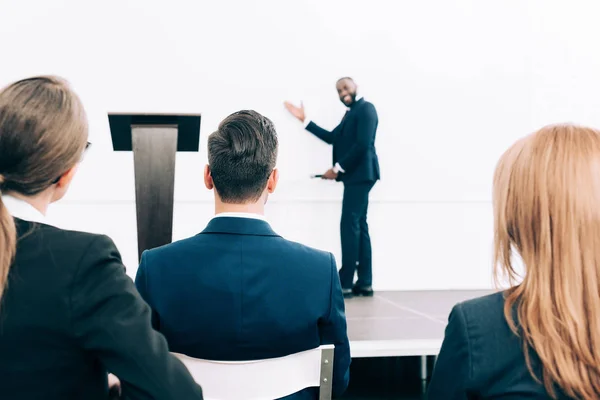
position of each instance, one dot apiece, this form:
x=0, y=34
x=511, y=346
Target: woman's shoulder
x=40, y=231
x=484, y=304
x=488, y=309
x=483, y=317
x=60, y=242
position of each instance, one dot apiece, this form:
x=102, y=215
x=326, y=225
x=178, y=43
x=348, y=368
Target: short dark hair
x=241, y=155
x=344, y=77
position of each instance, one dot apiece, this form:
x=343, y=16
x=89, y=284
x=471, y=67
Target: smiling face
x=346, y=89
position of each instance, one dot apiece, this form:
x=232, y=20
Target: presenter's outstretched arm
x=298, y=112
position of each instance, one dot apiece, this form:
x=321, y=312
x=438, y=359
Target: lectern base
x=154, y=149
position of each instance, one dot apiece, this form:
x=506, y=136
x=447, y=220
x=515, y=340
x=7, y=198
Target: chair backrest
x=264, y=379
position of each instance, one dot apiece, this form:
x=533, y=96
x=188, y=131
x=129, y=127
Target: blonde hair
x=547, y=209
x=43, y=132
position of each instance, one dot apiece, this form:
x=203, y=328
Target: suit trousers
x=354, y=231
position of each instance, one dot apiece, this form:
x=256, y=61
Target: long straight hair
x=43, y=132
x=547, y=209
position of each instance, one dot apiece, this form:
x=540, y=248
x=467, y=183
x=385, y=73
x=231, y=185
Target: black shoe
x=366, y=291
x=348, y=293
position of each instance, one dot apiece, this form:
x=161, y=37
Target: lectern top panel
x=188, y=128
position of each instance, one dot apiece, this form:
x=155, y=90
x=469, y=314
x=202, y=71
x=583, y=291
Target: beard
x=349, y=99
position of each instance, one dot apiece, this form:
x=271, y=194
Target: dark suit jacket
x=238, y=291
x=481, y=358
x=69, y=314
x=353, y=143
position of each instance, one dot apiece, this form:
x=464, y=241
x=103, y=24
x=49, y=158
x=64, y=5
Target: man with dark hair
x=355, y=163
x=241, y=157
x=238, y=291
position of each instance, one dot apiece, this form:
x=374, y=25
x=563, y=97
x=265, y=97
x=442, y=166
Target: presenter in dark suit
x=540, y=339
x=355, y=163
x=238, y=290
x=68, y=311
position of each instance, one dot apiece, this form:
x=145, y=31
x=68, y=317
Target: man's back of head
x=242, y=154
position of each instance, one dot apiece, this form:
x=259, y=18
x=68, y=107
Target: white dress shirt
x=241, y=215
x=337, y=168
x=21, y=209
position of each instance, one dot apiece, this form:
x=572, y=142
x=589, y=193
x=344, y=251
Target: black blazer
x=481, y=358
x=69, y=314
x=353, y=143
x=239, y=291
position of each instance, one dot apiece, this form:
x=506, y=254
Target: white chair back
x=264, y=379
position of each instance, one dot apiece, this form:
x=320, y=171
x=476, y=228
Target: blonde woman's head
x=547, y=209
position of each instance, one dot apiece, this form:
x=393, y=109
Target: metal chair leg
x=423, y=368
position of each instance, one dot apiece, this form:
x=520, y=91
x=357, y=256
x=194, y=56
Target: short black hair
x=344, y=77
x=241, y=155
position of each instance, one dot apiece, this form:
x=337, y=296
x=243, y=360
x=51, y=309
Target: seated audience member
x=539, y=339
x=68, y=311
x=238, y=290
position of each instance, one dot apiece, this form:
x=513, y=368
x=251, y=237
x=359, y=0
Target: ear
x=67, y=177
x=272, y=182
x=208, y=181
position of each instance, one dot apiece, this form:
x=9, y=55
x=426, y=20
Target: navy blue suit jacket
x=481, y=358
x=238, y=291
x=353, y=143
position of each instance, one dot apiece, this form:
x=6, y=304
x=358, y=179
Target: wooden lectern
x=154, y=140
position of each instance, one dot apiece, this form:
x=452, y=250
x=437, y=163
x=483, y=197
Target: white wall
x=454, y=81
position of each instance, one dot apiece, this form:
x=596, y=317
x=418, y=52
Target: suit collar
x=239, y=226
x=359, y=100
x=357, y=103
